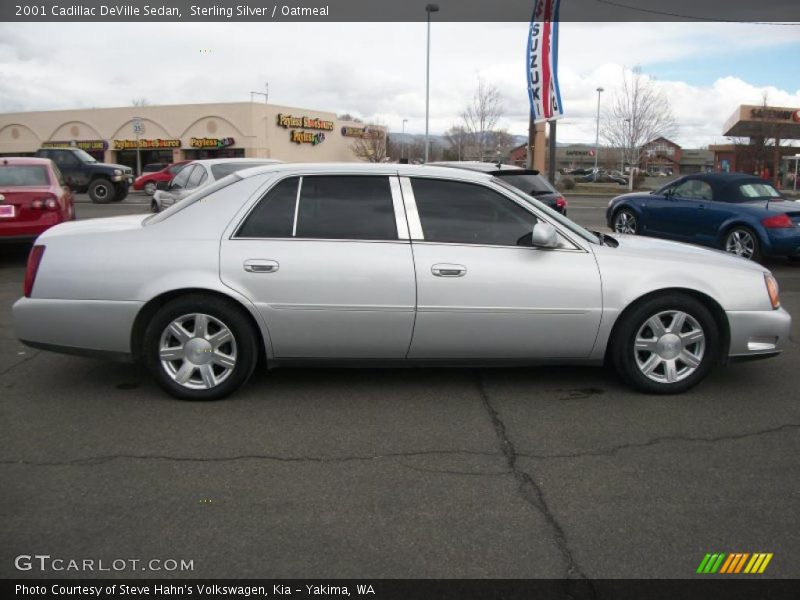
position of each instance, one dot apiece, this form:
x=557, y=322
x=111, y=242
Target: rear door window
x=273, y=216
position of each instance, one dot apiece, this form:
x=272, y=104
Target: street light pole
x=429, y=8
x=597, y=134
x=403, y=147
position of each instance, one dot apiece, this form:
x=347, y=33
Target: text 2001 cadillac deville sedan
x=368, y=264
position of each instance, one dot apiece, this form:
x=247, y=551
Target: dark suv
x=82, y=173
x=527, y=180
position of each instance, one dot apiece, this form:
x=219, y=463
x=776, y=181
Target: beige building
x=186, y=131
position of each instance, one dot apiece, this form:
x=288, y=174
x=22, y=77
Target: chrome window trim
x=399, y=210
x=296, y=206
x=415, y=225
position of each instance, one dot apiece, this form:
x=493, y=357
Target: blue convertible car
x=739, y=213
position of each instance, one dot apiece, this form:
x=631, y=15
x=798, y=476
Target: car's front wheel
x=742, y=241
x=200, y=347
x=666, y=345
x=625, y=222
x=154, y=206
x=101, y=191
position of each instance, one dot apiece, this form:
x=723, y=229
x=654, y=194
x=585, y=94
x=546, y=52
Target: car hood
x=90, y=226
x=688, y=253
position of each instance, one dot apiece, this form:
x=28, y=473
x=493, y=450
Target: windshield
x=84, y=156
x=557, y=217
x=222, y=169
x=191, y=199
x=528, y=183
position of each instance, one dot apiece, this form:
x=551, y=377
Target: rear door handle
x=448, y=270
x=260, y=265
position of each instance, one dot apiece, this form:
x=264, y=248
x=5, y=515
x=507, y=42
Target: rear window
x=758, y=190
x=223, y=169
x=23, y=176
x=528, y=183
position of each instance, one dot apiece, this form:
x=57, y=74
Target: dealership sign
x=146, y=144
x=542, y=59
x=293, y=122
x=211, y=143
x=90, y=145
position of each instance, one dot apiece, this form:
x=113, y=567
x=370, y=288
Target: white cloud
x=376, y=70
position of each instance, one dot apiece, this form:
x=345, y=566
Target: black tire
x=743, y=232
x=120, y=192
x=226, y=312
x=101, y=191
x=154, y=206
x=626, y=358
x=620, y=217
x=794, y=259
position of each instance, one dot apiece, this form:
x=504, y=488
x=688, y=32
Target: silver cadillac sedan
x=367, y=264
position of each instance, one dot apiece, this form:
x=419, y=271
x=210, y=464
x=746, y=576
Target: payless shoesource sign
x=146, y=144
x=298, y=124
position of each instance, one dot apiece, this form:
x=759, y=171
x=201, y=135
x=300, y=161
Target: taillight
x=48, y=202
x=561, y=202
x=777, y=222
x=34, y=258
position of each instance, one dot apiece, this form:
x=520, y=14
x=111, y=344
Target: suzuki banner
x=542, y=57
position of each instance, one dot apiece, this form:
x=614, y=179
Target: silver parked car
x=362, y=263
x=198, y=174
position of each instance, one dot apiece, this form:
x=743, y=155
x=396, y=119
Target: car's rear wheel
x=742, y=241
x=101, y=191
x=666, y=345
x=200, y=347
x=150, y=188
x=120, y=192
x=625, y=222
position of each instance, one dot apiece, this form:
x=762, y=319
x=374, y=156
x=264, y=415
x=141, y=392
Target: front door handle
x=260, y=265
x=448, y=270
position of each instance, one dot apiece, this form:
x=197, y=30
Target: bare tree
x=373, y=145
x=140, y=102
x=457, y=138
x=639, y=113
x=481, y=115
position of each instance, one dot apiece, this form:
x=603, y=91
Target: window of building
x=465, y=213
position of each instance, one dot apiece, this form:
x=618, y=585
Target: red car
x=33, y=197
x=149, y=181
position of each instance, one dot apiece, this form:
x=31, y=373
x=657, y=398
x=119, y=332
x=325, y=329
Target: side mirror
x=544, y=235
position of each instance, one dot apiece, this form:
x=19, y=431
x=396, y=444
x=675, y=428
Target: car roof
x=359, y=168
x=724, y=183
x=24, y=160
x=475, y=165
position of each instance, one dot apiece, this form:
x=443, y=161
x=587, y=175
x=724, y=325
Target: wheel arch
x=154, y=304
x=710, y=303
x=739, y=222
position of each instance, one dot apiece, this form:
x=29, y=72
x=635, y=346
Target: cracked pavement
x=537, y=472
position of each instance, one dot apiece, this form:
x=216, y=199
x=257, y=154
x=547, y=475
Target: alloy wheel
x=625, y=222
x=197, y=351
x=741, y=243
x=669, y=346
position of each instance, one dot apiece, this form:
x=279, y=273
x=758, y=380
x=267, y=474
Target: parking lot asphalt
x=521, y=472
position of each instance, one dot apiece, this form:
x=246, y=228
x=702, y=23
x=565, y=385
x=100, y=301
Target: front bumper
x=759, y=333
x=98, y=327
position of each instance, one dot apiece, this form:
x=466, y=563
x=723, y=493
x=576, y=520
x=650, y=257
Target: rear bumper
x=783, y=242
x=86, y=327
x=756, y=334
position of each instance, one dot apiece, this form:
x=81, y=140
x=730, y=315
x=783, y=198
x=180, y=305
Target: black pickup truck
x=82, y=173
